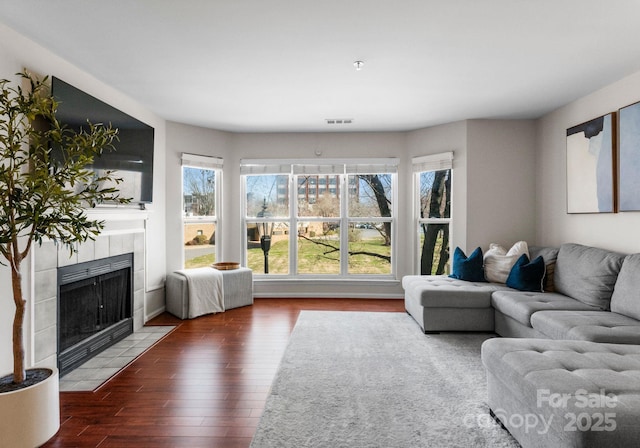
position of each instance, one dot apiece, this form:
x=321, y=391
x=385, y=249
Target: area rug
x=356, y=379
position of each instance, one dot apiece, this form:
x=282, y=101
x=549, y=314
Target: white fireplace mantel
x=110, y=213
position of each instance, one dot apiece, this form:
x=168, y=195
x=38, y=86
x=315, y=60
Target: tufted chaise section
x=441, y=303
x=565, y=393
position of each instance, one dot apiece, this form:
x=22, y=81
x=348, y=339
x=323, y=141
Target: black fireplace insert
x=95, y=308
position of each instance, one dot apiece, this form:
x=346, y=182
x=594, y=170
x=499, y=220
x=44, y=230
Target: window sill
x=261, y=278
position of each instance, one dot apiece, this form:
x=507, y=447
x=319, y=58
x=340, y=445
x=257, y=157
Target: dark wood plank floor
x=204, y=385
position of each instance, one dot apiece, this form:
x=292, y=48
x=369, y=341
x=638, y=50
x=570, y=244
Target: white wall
x=613, y=231
x=493, y=179
x=500, y=182
x=17, y=53
x=9, y=64
x=494, y=203
x=434, y=140
x=193, y=140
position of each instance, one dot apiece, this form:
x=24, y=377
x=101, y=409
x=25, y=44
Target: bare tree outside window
x=312, y=201
x=435, y=205
x=377, y=189
x=369, y=241
x=199, y=216
x=199, y=189
x=271, y=190
x=267, y=213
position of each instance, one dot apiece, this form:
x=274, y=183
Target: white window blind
x=318, y=169
x=434, y=162
x=373, y=166
x=198, y=161
x=264, y=167
x=312, y=167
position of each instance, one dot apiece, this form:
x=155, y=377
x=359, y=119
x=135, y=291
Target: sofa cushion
x=468, y=268
x=595, y=326
x=550, y=256
x=626, y=293
x=440, y=291
x=587, y=274
x=498, y=261
x=521, y=305
x=527, y=275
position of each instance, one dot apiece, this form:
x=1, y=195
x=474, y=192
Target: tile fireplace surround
x=48, y=258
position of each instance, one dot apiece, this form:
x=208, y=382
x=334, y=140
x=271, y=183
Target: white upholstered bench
x=238, y=291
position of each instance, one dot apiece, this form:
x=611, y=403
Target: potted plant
x=45, y=188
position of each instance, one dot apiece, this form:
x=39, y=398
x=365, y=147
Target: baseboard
x=156, y=313
x=315, y=295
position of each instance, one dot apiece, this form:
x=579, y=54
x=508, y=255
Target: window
x=200, y=215
x=318, y=223
x=266, y=221
x=370, y=214
x=433, y=212
x=334, y=234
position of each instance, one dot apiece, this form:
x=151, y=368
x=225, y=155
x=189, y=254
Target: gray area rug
x=355, y=379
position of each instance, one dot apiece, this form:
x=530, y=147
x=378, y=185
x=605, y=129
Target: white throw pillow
x=498, y=261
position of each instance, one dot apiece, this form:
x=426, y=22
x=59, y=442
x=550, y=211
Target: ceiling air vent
x=339, y=120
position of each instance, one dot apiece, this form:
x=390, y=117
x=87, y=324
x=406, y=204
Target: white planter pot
x=30, y=416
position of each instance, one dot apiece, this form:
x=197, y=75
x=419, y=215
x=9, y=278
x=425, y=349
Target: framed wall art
x=629, y=157
x=591, y=167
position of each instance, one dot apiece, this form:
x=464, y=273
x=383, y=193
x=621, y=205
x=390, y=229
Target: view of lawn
x=278, y=258
x=200, y=261
x=368, y=264
x=316, y=258
x=321, y=258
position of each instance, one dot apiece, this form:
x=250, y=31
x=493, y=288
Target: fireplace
x=95, y=308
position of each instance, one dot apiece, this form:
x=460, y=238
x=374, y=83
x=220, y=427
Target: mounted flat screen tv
x=133, y=155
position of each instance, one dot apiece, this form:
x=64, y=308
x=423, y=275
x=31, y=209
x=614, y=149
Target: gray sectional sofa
x=581, y=339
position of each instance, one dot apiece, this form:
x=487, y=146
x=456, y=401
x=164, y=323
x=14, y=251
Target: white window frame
x=341, y=167
x=422, y=164
x=209, y=163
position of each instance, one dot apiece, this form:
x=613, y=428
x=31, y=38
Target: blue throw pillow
x=527, y=275
x=468, y=268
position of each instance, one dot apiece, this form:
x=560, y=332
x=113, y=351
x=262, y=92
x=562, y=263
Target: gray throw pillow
x=626, y=294
x=587, y=274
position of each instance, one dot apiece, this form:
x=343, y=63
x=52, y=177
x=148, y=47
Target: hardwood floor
x=204, y=385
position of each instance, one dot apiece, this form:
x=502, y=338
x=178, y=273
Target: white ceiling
x=287, y=65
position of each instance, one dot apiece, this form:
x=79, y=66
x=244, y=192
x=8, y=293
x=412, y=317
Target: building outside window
x=201, y=177
x=432, y=175
x=320, y=231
